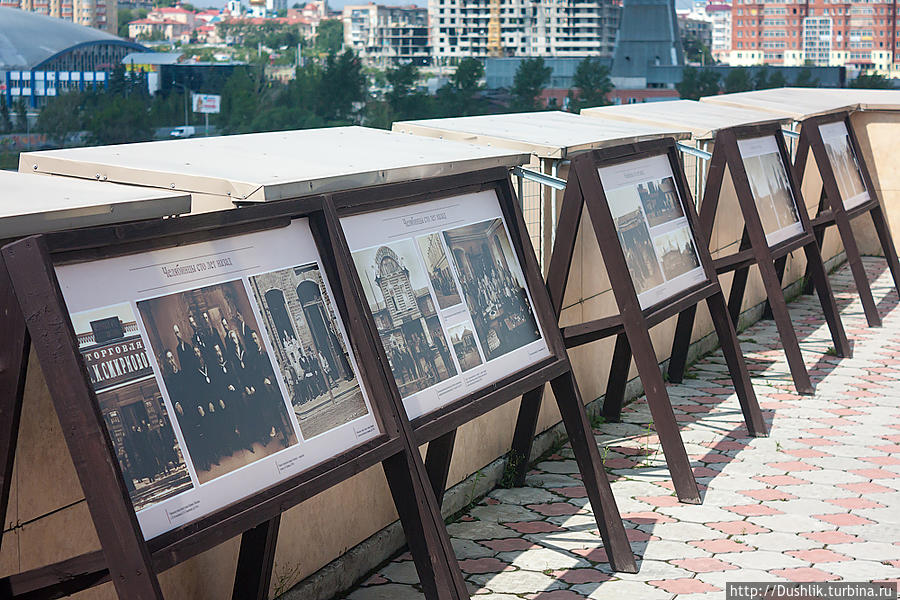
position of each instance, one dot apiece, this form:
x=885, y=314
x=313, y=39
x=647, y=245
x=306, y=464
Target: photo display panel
x=653, y=231
x=771, y=188
x=447, y=295
x=844, y=163
x=221, y=368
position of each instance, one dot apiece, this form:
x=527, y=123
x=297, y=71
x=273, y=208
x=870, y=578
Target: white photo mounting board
x=448, y=296
x=771, y=188
x=653, y=231
x=844, y=163
x=221, y=368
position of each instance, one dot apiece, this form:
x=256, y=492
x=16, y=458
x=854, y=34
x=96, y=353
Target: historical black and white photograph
x=405, y=314
x=310, y=348
x=464, y=345
x=634, y=237
x=136, y=418
x=493, y=286
x=676, y=252
x=438, y=268
x=771, y=188
x=219, y=377
x=660, y=201
x=844, y=163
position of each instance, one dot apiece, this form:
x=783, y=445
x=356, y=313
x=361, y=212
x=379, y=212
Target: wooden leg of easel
x=256, y=561
x=13, y=367
x=818, y=279
x=428, y=540
x=437, y=463
x=618, y=379
x=857, y=268
x=523, y=438
x=736, y=294
x=606, y=513
x=756, y=425
x=780, y=265
x=680, y=343
x=819, y=233
x=887, y=244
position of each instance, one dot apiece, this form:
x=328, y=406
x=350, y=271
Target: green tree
x=62, y=117
x=592, y=83
x=467, y=77
x=21, y=115
x=330, y=36
x=697, y=83
x=5, y=121
x=805, y=79
x=403, y=98
x=738, y=80
x=531, y=77
x=696, y=51
x=127, y=15
x=240, y=101
x=119, y=120
x=873, y=81
x=458, y=96
x=343, y=87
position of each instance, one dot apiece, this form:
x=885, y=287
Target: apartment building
x=387, y=35
x=549, y=28
x=99, y=14
x=720, y=13
x=859, y=35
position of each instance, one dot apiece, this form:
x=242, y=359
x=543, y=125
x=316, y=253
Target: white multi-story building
x=720, y=13
x=387, y=34
x=550, y=28
x=99, y=14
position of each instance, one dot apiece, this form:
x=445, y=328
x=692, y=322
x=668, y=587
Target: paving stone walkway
x=818, y=500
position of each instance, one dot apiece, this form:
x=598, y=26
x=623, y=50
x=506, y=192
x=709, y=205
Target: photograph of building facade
x=494, y=287
x=218, y=376
x=310, y=349
x=843, y=163
x=676, y=252
x=660, y=201
x=634, y=237
x=859, y=35
x=771, y=192
x=132, y=406
x=463, y=340
x=522, y=28
x=438, y=268
x=405, y=315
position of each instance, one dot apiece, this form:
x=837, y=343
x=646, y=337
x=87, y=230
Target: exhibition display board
x=220, y=375
x=847, y=193
x=457, y=300
x=658, y=264
x=775, y=223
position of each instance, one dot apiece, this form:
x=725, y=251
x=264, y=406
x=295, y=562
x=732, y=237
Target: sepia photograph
x=660, y=201
x=438, y=268
x=771, y=192
x=493, y=286
x=464, y=345
x=844, y=163
x=405, y=314
x=132, y=406
x=218, y=376
x=634, y=237
x=310, y=349
x=676, y=252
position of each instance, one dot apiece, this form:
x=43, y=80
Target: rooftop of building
x=29, y=39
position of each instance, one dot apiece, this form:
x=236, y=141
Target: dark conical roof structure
x=648, y=36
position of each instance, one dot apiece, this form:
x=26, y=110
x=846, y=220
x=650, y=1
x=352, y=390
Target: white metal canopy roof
x=702, y=120
x=544, y=134
x=32, y=204
x=796, y=103
x=272, y=166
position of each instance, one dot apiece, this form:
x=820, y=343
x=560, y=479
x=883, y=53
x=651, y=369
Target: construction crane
x=495, y=40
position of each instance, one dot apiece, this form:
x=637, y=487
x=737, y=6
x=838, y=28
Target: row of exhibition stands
x=47, y=519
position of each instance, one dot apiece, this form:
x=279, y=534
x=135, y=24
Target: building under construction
x=550, y=28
